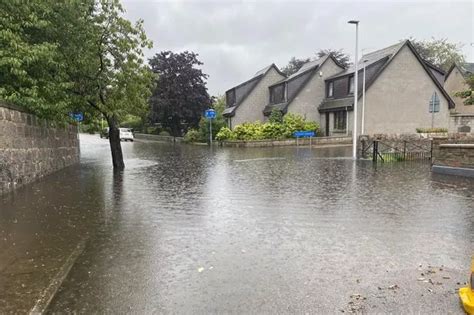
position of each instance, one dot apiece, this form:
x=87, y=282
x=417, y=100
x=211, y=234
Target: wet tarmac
x=190, y=229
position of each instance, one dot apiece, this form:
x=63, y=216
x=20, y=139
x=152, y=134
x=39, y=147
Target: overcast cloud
x=235, y=39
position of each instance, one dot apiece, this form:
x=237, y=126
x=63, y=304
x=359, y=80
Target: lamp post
x=356, y=90
x=362, y=124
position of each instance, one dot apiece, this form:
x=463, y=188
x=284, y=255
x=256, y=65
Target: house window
x=340, y=120
x=277, y=94
x=434, y=103
x=351, y=85
x=230, y=98
x=330, y=89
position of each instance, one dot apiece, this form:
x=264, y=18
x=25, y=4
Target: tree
x=339, y=55
x=294, y=65
x=58, y=57
x=105, y=65
x=180, y=95
x=439, y=52
x=30, y=65
x=467, y=94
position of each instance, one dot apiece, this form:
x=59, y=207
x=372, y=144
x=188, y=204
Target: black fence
x=395, y=151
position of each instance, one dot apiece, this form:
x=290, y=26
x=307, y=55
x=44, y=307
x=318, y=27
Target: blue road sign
x=304, y=134
x=210, y=113
x=77, y=116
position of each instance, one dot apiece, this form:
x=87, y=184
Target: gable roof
x=243, y=90
x=304, y=75
x=385, y=56
x=466, y=69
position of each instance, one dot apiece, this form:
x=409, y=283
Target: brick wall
x=31, y=149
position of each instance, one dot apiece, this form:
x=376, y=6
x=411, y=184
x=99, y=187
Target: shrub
x=273, y=130
x=249, y=131
x=225, y=134
x=431, y=130
x=270, y=130
x=192, y=135
x=165, y=133
x=276, y=116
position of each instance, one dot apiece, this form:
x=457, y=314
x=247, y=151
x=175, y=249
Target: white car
x=126, y=134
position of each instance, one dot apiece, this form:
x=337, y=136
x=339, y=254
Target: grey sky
x=234, y=39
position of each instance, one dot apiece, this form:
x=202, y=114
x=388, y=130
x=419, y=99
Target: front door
x=327, y=124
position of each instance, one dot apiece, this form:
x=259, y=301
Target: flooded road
x=189, y=229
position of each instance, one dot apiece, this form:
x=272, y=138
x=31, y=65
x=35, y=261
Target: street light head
x=353, y=22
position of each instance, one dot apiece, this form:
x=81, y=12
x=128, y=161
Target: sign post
x=210, y=114
x=304, y=134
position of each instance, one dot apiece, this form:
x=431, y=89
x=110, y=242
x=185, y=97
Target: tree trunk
x=115, y=145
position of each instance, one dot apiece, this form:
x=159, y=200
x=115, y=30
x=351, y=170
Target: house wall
x=251, y=109
x=455, y=82
x=307, y=101
x=398, y=100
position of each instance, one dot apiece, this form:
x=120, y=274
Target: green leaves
x=59, y=56
x=269, y=130
x=467, y=94
x=439, y=52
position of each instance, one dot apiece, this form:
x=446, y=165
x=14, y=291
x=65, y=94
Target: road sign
x=77, y=116
x=210, y=113
x=304, y=134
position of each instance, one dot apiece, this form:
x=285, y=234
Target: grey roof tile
x=336, y=104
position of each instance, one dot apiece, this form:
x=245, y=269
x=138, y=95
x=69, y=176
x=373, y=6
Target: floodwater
x=193, y=229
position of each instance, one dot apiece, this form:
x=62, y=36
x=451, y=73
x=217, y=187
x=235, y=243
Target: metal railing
x=396, y=151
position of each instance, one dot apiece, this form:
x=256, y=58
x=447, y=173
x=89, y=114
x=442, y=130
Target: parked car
x=467, y=293
x=126, y=134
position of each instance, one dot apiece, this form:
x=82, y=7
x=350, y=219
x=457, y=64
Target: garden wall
x=144, y=136
x=31, y=149
x=454, y=155
x=287, y=142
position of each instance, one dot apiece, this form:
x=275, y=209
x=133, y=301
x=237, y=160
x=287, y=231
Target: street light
x=362, y=125
x=356, y=88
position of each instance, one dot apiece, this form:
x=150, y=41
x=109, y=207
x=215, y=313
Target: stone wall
x=454, y=151
x=461, y=123
x=316, y=141
x=30, y=148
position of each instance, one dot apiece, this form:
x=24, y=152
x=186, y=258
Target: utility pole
x=356, y=90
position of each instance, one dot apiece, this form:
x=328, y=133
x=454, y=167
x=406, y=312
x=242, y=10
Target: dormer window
x=230, y=98
x=351, y=85
x=330, y=89
x=277, y=94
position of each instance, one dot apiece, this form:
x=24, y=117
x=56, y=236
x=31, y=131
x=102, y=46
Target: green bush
x=273, y=130
x=269, y=130
x=225, y=134
x=164, y=133
x=276, y=116
x=192, y=135
x=431, y=130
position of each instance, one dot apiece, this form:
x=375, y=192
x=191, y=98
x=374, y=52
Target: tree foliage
x=338, y=54
x=294, y=65
x=180, y=96
x=467, y=94
x=82, y=55
x=31, y=66
x=439, y=52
